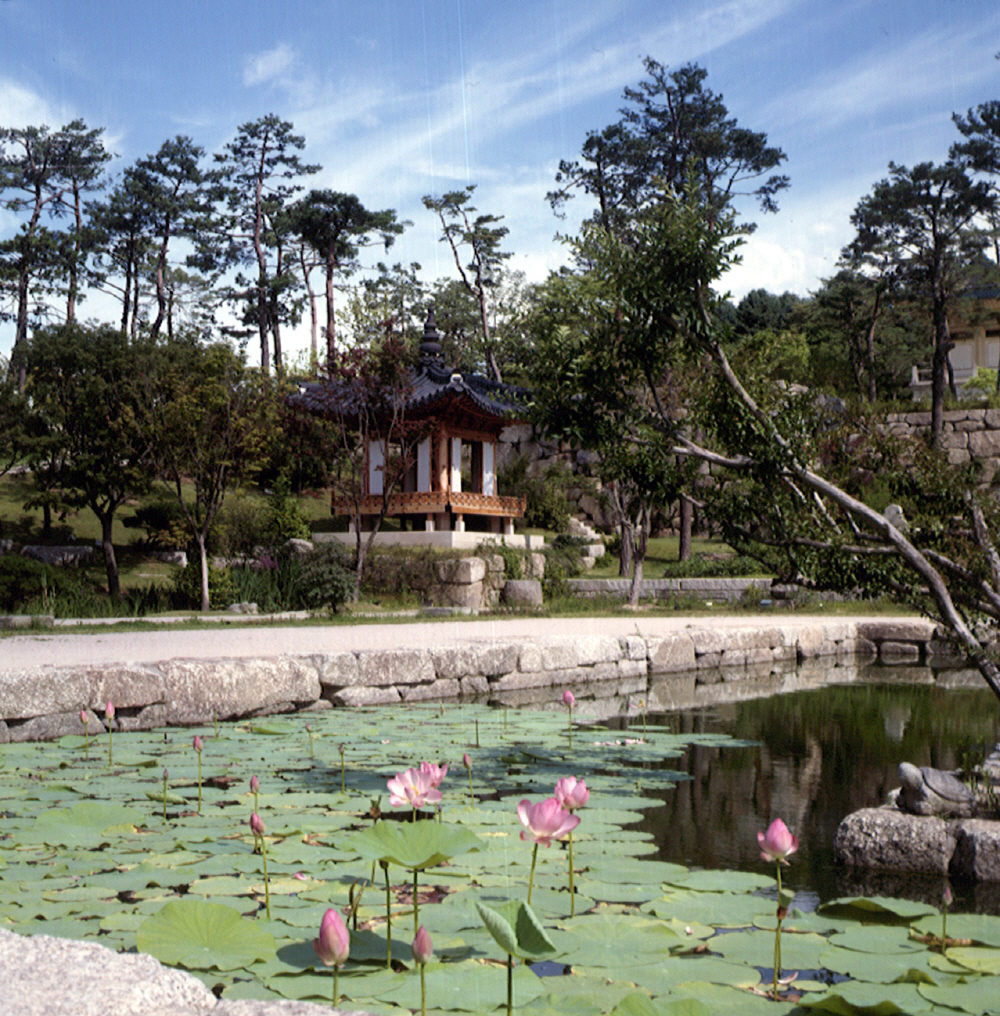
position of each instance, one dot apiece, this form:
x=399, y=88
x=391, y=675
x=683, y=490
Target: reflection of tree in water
x=822, y=755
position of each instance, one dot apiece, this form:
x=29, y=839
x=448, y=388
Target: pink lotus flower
x=571, y=793
x=198, y=744
x=412, y=789
x=109, y=710
x=334, y=942
x=545, y=821
x=254, y=784
x=777, y=844
x=466, y=761
x=423, y=947
x=84, y=718
x=256, y=825
x=569, y=699
x=434, y=773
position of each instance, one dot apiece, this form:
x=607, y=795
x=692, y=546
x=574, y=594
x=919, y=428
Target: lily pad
x=203, y=936
x=413, y=845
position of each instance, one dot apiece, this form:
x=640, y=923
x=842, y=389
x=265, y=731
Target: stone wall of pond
x=609, y=675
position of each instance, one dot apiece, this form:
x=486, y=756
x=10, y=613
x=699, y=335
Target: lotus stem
x=572, y=891
x=531, y=877
x=510, y=982
x=215, y=722
x=109, y=745
x=416, y=905
x=777, y=939
x=388, y=917
x=86, y=737
x=199, y=790
x=267, y=888
x=343, y=785
x=336, y=985
x=423, y=991
x=472, y=796
x=166, y=776
x=477, y=732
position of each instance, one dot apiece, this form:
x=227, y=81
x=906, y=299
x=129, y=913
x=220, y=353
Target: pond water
x=821, y=755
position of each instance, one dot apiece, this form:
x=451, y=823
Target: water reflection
x=823, y=753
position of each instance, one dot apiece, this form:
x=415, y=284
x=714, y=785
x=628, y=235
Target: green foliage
x=187, y=586
x=285, y=518
x=548, y=505
x=326, y=580
x=712, y=566
x=272, y=580
x=163, y=521
x=241, y=526
x=513, y=558
x=23, y=580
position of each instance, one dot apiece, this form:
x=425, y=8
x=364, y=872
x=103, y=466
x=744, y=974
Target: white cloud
x=259, y=68
x=23, y=107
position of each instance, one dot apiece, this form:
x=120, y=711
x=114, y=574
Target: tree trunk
x=641, y=538
x=687, y=523
x=107, y=545
x=942, y=347
x=206, y=602
x=626, y=551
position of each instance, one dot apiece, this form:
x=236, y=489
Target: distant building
x=977, y=343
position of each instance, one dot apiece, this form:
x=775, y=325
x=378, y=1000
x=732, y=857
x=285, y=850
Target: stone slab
x=977, y=850
x=889, y=839
x=380, y=668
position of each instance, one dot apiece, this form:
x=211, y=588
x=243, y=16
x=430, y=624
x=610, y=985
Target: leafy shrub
x=163, y=520
x=326, y=580
x=23, y=579
x=562, y=562
x=513, y=559
x=285, y=518
x=548, y=504
x=242, y=525
x=272, y=581
x=705, y=566
x=187, y=586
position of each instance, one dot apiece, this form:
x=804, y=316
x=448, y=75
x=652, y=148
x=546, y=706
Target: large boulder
x=887, y=838
x=522, y=593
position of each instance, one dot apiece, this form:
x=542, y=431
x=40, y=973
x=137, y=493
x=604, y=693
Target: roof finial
x=430, y=348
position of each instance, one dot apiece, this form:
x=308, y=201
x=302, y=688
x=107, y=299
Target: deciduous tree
x=81, y=386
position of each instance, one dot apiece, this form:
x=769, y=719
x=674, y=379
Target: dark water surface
x=823, y=754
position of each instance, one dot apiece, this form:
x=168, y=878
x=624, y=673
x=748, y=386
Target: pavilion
x=448, y=496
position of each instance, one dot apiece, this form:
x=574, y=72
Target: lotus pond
x=86, y=852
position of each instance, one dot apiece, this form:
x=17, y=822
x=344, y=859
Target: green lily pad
x=981, y=928
x=860, y=999
x=721, y=881
x=203, y=936
x=87, y=824
x=413, y=845
x=882, y=908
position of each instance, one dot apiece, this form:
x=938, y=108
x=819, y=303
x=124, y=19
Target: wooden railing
x=434, y=502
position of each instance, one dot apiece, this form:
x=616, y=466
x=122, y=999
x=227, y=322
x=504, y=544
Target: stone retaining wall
x=670, y=671
x=969, y=435
x=719, y=589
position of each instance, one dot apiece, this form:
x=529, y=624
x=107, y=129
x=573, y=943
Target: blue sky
x=401, y=98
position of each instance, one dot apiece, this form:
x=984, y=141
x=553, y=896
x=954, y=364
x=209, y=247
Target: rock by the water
x=928, y=791
x=886, y=838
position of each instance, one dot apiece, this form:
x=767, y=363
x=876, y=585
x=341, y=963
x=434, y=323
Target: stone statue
x=929, y=791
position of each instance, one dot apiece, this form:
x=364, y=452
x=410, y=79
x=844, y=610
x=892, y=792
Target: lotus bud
x=198, y=745
x=256, y=825
x=423, y=947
